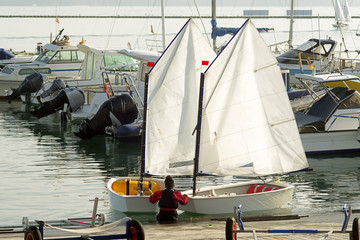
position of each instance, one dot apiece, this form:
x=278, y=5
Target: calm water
x=48, y=173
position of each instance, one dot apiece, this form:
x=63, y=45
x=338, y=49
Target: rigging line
x=202, y=22
x=145, y=24
x=112, y=25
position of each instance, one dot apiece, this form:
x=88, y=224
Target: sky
x=298, y=3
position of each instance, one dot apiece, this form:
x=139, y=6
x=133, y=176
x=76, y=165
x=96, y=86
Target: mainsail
x=248, y=127
x=173, y=91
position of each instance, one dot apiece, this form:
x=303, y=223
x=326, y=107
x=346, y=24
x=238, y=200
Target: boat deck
x=215, y=228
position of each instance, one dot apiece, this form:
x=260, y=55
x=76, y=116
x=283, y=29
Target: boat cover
x=4, y=54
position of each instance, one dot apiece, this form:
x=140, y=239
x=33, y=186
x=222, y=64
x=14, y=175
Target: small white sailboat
x=246, y=127
x=170, y=104
x=342, y=13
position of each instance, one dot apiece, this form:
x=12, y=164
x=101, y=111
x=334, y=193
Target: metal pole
x=213, y=17
x=198, y=132
x=291, y=24
x=96, y=201
x=163, y=24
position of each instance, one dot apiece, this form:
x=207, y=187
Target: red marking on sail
x=205, y=63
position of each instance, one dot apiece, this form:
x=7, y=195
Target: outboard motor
x=73, y=96
x=121, y=106
x=31, y=84
x=56, y=85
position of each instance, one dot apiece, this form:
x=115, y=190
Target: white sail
x=346, y=11
x=339, y=14
x=248, y=127
x=173, y=103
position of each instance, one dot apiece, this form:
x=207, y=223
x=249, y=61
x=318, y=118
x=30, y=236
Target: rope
x=202, y=22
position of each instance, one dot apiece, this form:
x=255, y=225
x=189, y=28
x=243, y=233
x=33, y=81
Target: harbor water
x=46, y=172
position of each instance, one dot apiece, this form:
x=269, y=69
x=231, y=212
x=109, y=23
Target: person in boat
x=169, y=200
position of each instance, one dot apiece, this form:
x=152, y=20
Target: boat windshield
x=7, y=70
x=121, y=62
x=313, y=47
x=45, y=56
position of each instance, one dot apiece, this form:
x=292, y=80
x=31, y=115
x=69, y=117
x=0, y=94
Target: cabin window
x=62, y=56
x=351, y=102
x=45, y=56
x=121, y=62
x=67, y=57
x=77, y=56
x=89, y=66
x=28, y=71
x=7, y=70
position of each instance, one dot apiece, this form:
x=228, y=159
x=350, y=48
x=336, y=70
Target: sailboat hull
x=132, y=202
x=222, y=199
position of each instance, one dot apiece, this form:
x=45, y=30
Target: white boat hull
x=131, y=203
x=223, y=199
x=330, y=142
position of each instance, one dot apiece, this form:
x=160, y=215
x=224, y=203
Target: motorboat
x=55, y=61
x=315, y=51
x=330, y=124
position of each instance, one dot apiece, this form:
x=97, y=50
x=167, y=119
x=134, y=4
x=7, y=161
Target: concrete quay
x=215, y=228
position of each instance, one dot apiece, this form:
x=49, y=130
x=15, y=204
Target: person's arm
x=155, y=197
x=182, y=199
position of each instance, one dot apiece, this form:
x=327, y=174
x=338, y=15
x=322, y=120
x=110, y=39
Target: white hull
x=330, y=142
x=222, y=199
x=227, y=196
x=125, y=203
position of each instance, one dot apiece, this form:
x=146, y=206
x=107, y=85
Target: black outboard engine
x=73, y=96
x=121, y=106
x=56, y=85
x=31, y=84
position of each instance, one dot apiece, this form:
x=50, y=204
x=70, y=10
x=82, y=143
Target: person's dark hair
x=169, y=182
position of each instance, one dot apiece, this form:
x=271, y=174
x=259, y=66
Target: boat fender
x=256, y=188
x=358, y=134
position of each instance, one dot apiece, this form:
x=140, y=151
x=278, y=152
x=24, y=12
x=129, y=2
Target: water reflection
x=334, y=182
x=52, y=174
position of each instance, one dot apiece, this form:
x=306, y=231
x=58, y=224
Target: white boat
x=245, y=126
x=125, y=75
x=342, y=13
x=55, y=61
x=317, y=51
x=330, y=123
x=176, y=75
